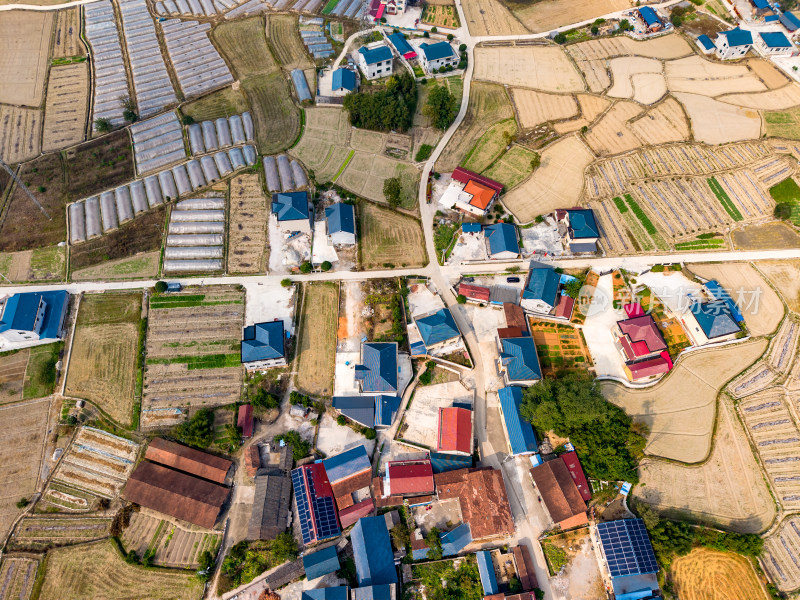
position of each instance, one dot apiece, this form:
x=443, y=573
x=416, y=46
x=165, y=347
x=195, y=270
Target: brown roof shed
x=188, y=460
x=482, y=497
x=560, y=494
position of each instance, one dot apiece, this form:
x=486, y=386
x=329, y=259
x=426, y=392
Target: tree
x=132, y=558
x=263, y=399
x=461, y=299
x=462, y=48
x=187, y=119
x=625, y=25
x=425, y=34
x=434, y=30
x=284, y=547
x=676, y=19
x=197, y=431
x=161, y=286
x=441, y=107
x=306, y=267
x=536, y=160
x=22, y=503
x=286, y=282
x=128, y=109
x=450, y=37
x=783, y=210
x=595, y=30
x=390, y=107
x=560, y=38
x=392, y=191
x=369, y=433
x=341, y=421
x=102, y=125
x=206, y=560
x=434, y=544
x=149, y=557
x=300, y=447
x=326, y=266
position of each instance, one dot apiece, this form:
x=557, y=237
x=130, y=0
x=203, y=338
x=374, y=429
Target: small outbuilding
x=321, y=563
x=774, y=43
x=244, y=420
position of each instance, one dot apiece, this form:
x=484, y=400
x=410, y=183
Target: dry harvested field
x=488, y=104
x=193, y=353
x=20, y=129
x=665, y=48
x=715, y=122
x=41, y=264
x=697, y=75
x=549, y=14
x=65, y=110
x=705, y=574
x=490, y=17
x=638, y=78
x=247, y=226
x=21, y=440
x=12, y=374
x=139, y=266
x=512, y=167
x=662, y=124
x=557, y=182
x=781, y=555
x=781, y=99
x=610, y=135
x=17, y=574
x=285, y=41
x=679, y=409
x=39, y=532
x=24, y=49
x=98, y=571
x=365, y=174
x=769, y=236
x=102, y=365
x=762, y=310
x=67, y=40
x=768, y=73
x=316, y=346
x=324, y=145
x=389, y=237
x=783, y=274
x=96, y=462
x=591, y=107
x=545, y=68
x=727, y=490
x=175, y=545
x=536, y=107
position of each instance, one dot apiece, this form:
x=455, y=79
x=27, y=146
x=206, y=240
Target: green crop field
x=724, y=199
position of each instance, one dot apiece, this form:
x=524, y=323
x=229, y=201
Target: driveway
x=597, y=330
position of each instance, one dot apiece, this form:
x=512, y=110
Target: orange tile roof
x=481, y=195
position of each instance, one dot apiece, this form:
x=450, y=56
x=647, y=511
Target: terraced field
x=17, y=576
x=175, y=545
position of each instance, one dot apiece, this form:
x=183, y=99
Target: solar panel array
x=627, y=547
x=311, y=509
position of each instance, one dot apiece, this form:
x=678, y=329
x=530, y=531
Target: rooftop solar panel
x=627, y=547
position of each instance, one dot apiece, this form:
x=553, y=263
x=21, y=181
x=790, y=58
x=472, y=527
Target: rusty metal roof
x=188, y=460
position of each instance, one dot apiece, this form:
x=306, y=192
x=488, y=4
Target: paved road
x=45, y=8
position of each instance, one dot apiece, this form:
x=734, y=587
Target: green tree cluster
x=247, y=560
x=441, y=107
x=442, y=581
x=434, y=544
x=197, y=431
x=300, y=447
x=572, y=406
x=389, y=108
x=263, y=399
x=393, y=191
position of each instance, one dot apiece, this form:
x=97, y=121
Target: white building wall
x=342, y=238
x=379, y=69
x=726, y=52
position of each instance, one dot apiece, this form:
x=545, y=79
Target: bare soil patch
x=388, y=237
x=784, y=276
x=19, y=133
x=545, y=68
x=67, y=40
x=536, y=107
x=611, y=135
x=24, y=50
x=549, y=14
x=765, y=237
x=768, y=73
x=715, y=122
x=490, y=17
x=316, y=347
x=65, y=111
x=247, y=227
x=12, y=374
x=591, y=107
x=139, y=266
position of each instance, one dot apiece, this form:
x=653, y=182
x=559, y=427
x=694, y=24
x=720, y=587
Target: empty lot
x=24, y=47
x=316, y=347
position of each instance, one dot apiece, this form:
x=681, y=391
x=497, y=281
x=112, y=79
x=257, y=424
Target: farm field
x=783, y=275
x=513, y=167
x=719, y=123
x=38, y=532
x=221, y=103
x=98, y=571
x=549, y=14
x=286, y=43
x=324, y=145
x=388, y=237
x=441, y=15
x=316, y=346
x=24, y=50
x=40, y=375
x=244, y=45
x=727, y=490
x=19, y=133
x=785, y=123
x=537, y=107
x=774, y=235
x=247, y=231
x=488, y=105
x=491, y=17
x=12, y=374
x=545, y=68
x=591, y=107
x=40, y=264
x=175, y=545
x=679, y=409
x=103, y=361
x=365, y=174
x=490, y=146
x=97, y=463
x=779, y=556
x=139, y=266
x=65, y=110
x=742, y=280
x=67, y=41
x=21, y=450
x=99, y=164
x=18, y=574
x=610, y=135
x=193, y=353
x=705, y=574
x=559, y=346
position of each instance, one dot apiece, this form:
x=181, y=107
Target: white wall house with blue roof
x=438, y=330
x=734, y=43
x=375, y=60
x=540, y=294
x=291, y=210
x=33, y=316
x=264, y=346
x=435, y=56
x=502, y=242
x=340, y=220
x=519, y=362
x=773, y=43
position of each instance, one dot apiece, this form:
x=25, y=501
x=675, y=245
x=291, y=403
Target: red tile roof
x=245, y=420
x=574, y=465
x=455, y=430
x=511, y=332
x=474, y=292
x=482, y=496
x=648, y=368
x=525, y=569
x=564, y=306
x=252, y=460
x=643, y=336
x=515, y=316
x=558, y=490
x=465, y=176
x=189, y=460
x=353, y=513
x=410, y=477
x=377, y=493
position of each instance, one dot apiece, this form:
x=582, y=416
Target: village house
x=540, y=294
x=578, y=229
x=291, y=209
x=470, y=193
x=711, y=322
x=272, y=500
x=263, y=346
x=455, y=431
x=375, y=412
x=559, y=493
x=733, y=44
x=705, y=44
x=482, y=497
x=401, y=45
x=518, y=362
x=33, y=316
x=438, y=55
x=438, y=330
x=474, y=294
x=378, y=370
x=652, y=22
x=321, y=562
x=375, y=60
x=628, y=558
x=379, y=8
x=789, y=21
x=344, y=81
x=501, y=241
x=761, y=8
x=374, y=558
x=245, y=421
x=340, y=221
x=316, y=508
x=773, y=43
x=350, y=475
x=519, y=432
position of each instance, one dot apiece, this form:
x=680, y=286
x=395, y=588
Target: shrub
x=22, y=503
x=197, y=431
x=102, y=125
x=782, y=211
x=341, y=421
x=424, y=152
x=187, y=119
x=369, y=433
x=326, y=266
x=462, y=48
x=300, y=447
x=426, y=34
x=305, y=267
x=392, y=191
x=461, y=299
x=161, y=286
x=434, y=30
x=560, y=38
x=263, y=399
x=595, y=29
x=286, y=282
x=450, y=37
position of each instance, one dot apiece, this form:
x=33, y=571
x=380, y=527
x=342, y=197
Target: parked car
x=512, y=279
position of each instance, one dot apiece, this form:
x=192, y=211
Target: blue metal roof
x=442, y=463
x=649, y=15
x=715, y=318
x=738, y=37
x=456, y=540
x=438, y=327
x=348, y=463
x=372, y=551
x=542, y=285
x=290, y=206
x=775, y=39
x=761, y=4
x=321, y=563
x=520, y=359
x=301, y=85
x=400, y=43
x=437, y=50
x=502, y=238
x=360, y=409
x=330, y=593
x=419, y=553
x=790, y=21
x=471, y=227
x=771, y=18
x=706, y=42
x=375, y=55
x=378, y=371
x=627, y=547
x=344, y=79
x=720, y=293
x=520, y=432
x=263, y=341
x=486, y=570
x=374, y=592
x=21, y=309
x=385, y=409
x=418, y=349
x=340, y=217
x=583, y=223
